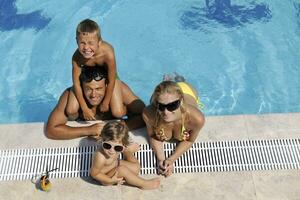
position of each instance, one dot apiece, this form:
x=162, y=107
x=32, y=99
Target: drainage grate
x=22, y=164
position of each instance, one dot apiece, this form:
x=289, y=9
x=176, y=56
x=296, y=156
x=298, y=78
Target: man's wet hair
x=92, y=73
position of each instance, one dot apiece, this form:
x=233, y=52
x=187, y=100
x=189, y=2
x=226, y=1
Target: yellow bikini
x=186, y=89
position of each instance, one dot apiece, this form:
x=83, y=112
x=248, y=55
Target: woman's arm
x=156, y=144
x=195, y=124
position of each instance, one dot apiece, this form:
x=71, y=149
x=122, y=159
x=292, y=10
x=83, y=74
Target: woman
x=173, y=114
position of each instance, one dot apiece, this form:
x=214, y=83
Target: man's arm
x=56, y=126
x=135, y=107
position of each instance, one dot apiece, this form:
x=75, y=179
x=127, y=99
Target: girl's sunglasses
x=108, y=146
x=170, y=106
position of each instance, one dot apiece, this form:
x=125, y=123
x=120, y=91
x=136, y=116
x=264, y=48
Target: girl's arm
x=111, y=69
x=97, y=165
x=76, y=71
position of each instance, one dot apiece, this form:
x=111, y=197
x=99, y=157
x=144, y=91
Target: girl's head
x=114, y=134
x=88, y=38
x=168, y=100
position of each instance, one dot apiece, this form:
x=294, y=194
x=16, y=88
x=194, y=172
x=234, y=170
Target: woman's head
x=168, y=100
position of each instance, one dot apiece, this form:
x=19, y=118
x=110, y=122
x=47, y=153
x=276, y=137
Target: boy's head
x=88, y=38
x=88, y=26
x=115, y=131
x=93, y=83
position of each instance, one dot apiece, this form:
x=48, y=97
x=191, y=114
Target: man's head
x=93, y=83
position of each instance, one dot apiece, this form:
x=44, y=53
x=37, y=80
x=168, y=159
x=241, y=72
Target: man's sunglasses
x=170, y=106
x=87, y=75
x=108, y=146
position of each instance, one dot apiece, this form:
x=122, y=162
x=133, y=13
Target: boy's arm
x=97, y=165
x=111, y=69
x=76, y=71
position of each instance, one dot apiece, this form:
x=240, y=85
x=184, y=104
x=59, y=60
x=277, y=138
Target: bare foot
x=133, y=147
x=151, y=184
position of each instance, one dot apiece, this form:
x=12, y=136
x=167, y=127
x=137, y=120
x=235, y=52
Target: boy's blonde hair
x=115, y=130
x=169, y=87
x=88, y=26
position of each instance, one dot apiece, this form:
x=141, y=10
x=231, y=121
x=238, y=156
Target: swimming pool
x=242, y=56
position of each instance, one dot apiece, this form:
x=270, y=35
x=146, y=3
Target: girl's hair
x=115, y=130
x=88, y=26
x=169, y=87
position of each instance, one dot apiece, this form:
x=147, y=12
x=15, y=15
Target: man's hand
x=96, y=129
x=88, y=114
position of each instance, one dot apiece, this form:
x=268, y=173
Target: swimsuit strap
x=161, y=134
x=184, y=134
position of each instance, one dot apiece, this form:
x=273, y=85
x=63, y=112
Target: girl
x=108, y=169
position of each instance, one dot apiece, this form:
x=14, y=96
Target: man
x=94, y=82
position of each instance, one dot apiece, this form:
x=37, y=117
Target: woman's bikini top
x=184, y=134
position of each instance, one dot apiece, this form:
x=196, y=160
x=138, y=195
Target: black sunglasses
x=117, y=148
x=170, y=106
x=87, y=75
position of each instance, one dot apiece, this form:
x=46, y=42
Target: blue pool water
x=242, y=56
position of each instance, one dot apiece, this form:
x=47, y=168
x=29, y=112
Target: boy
x=94, y=52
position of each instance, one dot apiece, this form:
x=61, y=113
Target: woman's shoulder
x=195, y=115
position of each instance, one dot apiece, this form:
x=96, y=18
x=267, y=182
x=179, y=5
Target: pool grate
x=212, y=156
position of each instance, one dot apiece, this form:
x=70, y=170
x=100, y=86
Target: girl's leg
x=130, y=162
x=118, y=109
x=72, y=106
x=133, y=179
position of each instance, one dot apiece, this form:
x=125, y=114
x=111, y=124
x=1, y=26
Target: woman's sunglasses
x=170, y=106
x=108, y=146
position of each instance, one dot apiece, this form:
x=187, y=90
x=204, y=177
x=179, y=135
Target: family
x=98, y=94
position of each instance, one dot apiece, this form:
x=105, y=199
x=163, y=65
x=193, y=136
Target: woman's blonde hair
x=169, y=87
x=115, y=130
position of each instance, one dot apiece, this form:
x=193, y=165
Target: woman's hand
x=168, y=166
